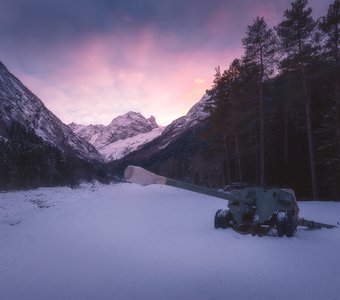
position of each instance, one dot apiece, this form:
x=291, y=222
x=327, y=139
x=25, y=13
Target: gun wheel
x=223, y=218
x=285, y=224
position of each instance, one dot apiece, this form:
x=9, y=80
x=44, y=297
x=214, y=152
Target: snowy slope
x=129, y=242
x=120, y=148
x=196, y=114
x=124, y=134
x=19, y=104
x=132, y=131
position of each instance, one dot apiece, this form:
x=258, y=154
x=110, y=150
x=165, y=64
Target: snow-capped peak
x=123, y=135
x=133, y=118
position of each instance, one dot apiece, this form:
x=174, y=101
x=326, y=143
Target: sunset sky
x=92, y=60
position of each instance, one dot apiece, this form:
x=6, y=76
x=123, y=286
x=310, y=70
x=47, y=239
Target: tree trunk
x=262, y=165
x=286, y=134
x=238, y=160
x=307, y=99
x=337, y=103
x=337, y=91
x=337, y=124
x=227, y=160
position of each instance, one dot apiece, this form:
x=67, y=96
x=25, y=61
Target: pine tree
x=260, y=46
x=243, y=120
x=220, y=110
x=297, y=40
x=330, y=25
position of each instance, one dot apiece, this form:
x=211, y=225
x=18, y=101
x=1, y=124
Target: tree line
x=276, y=110
x=27, y=161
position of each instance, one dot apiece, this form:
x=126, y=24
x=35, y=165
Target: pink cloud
x=91, y=75
x=111, y=74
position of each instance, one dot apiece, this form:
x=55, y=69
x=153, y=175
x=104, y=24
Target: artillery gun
x=252, y=210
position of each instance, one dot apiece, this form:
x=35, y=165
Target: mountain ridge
x=132, y=131
x=36, y=147
x=20, y=104
x=131, y=127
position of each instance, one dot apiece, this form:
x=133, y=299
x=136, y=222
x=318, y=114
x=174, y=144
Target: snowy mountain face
x=123, y=135
x=120, y=148
x=195, y=115
x=178, y=148
x=18, y=104
x=131, y=132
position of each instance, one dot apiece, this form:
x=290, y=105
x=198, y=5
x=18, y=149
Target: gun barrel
x=143, y=177
x=198, y=189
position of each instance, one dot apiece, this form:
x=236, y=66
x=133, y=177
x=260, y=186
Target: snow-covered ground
x=124, y=241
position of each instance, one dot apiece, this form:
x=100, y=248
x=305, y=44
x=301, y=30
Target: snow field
x=124, y=241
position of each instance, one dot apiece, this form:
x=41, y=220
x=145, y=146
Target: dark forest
x=276, y=110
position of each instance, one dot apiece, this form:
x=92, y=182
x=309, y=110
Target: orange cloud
x=199, y=81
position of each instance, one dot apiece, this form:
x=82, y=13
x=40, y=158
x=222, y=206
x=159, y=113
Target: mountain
x=183, y=150
x=198, y=113
x=35, y=146
x=120, y=148
x=19, y=104
x=123, y=135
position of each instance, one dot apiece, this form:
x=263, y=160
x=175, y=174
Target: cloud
x=111, y=74
x=199, y=81
x=90, y=61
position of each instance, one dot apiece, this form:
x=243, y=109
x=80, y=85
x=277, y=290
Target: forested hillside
x=36, y=148
x=26, y=161
x=276, y=109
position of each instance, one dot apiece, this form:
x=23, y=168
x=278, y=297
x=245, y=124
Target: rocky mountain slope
x=123, y=135
x=181, y=151
x=36, y=148
x=131, y=132
x=196, y=114
x=19, y=104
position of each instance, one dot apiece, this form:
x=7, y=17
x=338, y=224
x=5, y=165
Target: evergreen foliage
x=260, y=56
x=28, y=161
x=299, y=105
x=330, y=25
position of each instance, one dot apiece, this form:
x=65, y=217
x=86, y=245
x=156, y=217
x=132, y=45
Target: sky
x=90, y=61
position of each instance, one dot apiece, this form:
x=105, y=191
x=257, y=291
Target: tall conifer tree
x=297, y=40
x=330, y=25
x=260, y=46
